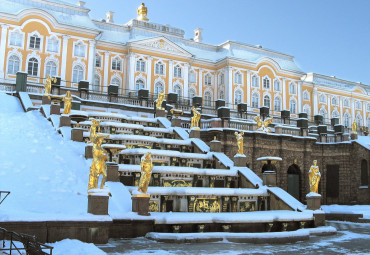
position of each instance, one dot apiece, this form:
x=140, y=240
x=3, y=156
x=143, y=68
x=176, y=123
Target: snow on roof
x=200, y=144
x=150, y=139
x=223, y=159
x=181, y=132
x=270, y=158
x=165, y=122
x=166, y=153
x=363, y=141
x=250, y=175
x=287, y=198
x=9, y=104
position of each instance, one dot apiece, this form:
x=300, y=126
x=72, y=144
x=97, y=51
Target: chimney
x=198, y=35
x=109, y=18
x=81, y=4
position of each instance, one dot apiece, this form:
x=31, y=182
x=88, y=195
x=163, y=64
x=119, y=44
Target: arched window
x=334, y=101
x=116, y=64
x=16, y=39
x=293, y=106
x=158, y=88
x=96, y=85
x=346, y=102
x=33, y=66
x=192, y=76
x=207, y=99
x=139, y=84
x=238, y=78
x=222, y=79
x=255, y=100
x=276, y=85
x=364, y=173
x=221, y=94
x=97, y=60
x=357, y=105
x=177, y=90
x=77, y=74
x=238, y=97
x=324, y=114
x=266, y=101
x=347, y=118
x=51, y=69
x=140, y=65
x=35, y=42
x=307, y=110
x=191, y=93
x=306, y=96
x=335, y=114
x=359, y=120
x=79, y=50
x=13, y=64
x=322, y=99
x=177, y=72
x=208, y=80
x=53, y=44
x=266, y=83
x=292, y=89
x=277, y=104
x=159, y=68
x=255, y=81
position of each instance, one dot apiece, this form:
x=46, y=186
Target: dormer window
x=35, y=42
x=177, y=72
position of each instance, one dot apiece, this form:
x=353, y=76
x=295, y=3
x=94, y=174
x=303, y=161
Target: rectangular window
x=16, y=39
x=35, y=42
x=79, y=50
x=53, y=45
x=276, y=85
x=266, y=83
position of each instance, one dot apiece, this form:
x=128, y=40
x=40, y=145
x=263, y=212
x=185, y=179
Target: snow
x=364, y=141
x=120, y=201
x=313, y=194
x=26, y=101
x=201, y=145
x=55, y=120
x=348, y=209
x=165, y=122
x=9, y=104
x=75, y=247
x=287, y=198
x=168, y=153
x=270, y=158
x=250, y=175
x=223, y=159
x=181, y=132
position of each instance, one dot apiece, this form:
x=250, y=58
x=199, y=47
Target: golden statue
x=263, y=125
x=240, y=141
x=354, y=127
x=314, y=177
x=160, y=101
x=142, y=12
x=259, y=122
x=195, y=119
x=146, y=172
x=47, y=84
x=94, y=128
x=98, y=166
x=67, y=99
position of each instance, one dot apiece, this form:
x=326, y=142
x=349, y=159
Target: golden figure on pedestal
x=94, y=128
x=142, y=12
x=240, y=141
x=195, y=119
x=98, y=166
x=160, y=101
x=263, y=125
x=146, y=172
x=47, y=84
x=67, y=99
x=354, y=127
x=314, y=177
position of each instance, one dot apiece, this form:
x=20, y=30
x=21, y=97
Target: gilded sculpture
x=263, y=125
x=314, y=177
x=142, y=12
x=160, y=101
x=354, y=127
x=146, y=172
x=67, y=99
x=47, y=84
x=195, y=119
x=94, y=128
x=98, y=166
x=240, y=141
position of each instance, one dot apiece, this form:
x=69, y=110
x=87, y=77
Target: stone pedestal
x=88, y=151
x=313, y=201
x=319, y=218
x=112, y=172
x=194, y=133
x=65, y=121
x=354, y=136
x=98, y=203
x=278, y=130
x=140, y=204
x=55, y=109
x=46, y=100
x=160, y=113
x=338, y=138
x=323, y=138
x=215, y=146
x=269, y=178
x=345, y=137
x=176, y=122
x=77, y=134
x=304, y=132
x=240, y=160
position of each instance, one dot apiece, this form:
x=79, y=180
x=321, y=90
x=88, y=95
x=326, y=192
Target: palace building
x=52, y=37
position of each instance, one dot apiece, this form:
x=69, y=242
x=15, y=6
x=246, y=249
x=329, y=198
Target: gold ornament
x=263, y=125
x=146, y=172
x=240, y=141
x=195, y=119
x=160, y=100
x=314, y=177
x=67, y=99
x=354, y=127
x=47, y=84
x=142, y=12
x=98, y=166
x=94, y=128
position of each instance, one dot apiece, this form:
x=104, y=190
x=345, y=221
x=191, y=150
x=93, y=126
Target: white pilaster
x=170, y=76
x=149, y=73
x=200, y=84
x=215, y=94
x=186, y=80
x=341, y=111
x=300, y=97
x=249, y=88
x=315, y=95
x=4, y=30
x=285, y=96
x=106, y=70
x=364, y=113
x=131, y=68
x=353, y=118
x=229, y=86
x=64, y=54
x=91, y=60
x=329, y=107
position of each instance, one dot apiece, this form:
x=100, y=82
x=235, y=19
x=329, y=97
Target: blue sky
x=330, y=37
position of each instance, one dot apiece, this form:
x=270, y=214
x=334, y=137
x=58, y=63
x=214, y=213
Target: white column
x=186, y=80
x=353, y=110
x=341, y=110
x=315, y=109
x=149, y=73
x=300, y=101
x=229, y=86
x=364, y=113
x=106, y=70
x=284, y=97
x=90, y=74
x=249, y=91
x=200, y=83
x=131, y=74
x=215, y=96
x=64, y=54
x=329, y=107
x=170, y=76
x=4, y=30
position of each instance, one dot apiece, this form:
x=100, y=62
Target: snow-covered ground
x=348, y=209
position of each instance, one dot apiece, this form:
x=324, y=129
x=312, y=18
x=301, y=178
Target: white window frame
x=96, y=85
x=257, y=96
x=208, y=98
x=82, y=49
x=346, y=102
x=179, y=92
x=277, y=84
x=238, y=78
x=38, y=36
x=98, y=57
x=192, y=76
x=50, y=73
x=32, y=74
x=116, y=64
x=77, y=80
x=268, y=83
x=292, y=88
x=140, y=65
x=255, y=81
x=20, y=38
x=55, y=39
x=177, y=71
x=322, y=99
x=293, y=100
x=306, y=95
x=8, y=64
x=238, y=96
x=277, y=99
x=208, y=79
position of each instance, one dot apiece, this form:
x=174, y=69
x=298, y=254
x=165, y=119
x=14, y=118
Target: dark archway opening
x=294, y=180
